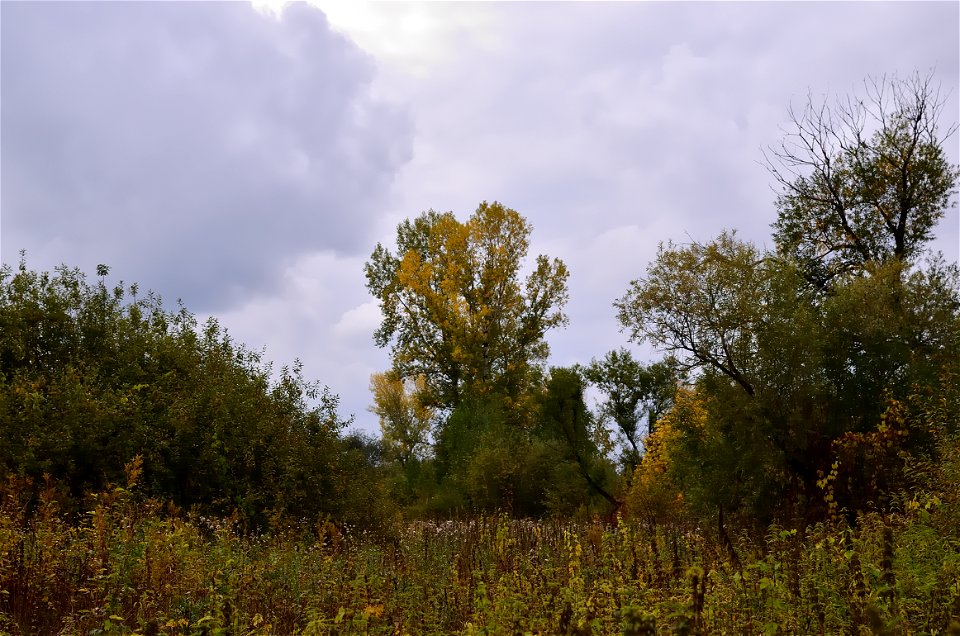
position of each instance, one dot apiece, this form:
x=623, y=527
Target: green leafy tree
x=700, y=302
x=568, y=427
x=635, y=396
x=790, y=381
x=455, y=309
x=864, y=180
x=485, y=461
x=709, y=304
x=92, y=376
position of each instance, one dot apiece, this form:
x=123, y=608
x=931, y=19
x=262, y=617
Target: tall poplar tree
x=455, y=309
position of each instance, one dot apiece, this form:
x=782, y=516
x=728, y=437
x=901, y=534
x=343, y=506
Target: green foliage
x=864, y=181
x=568, y=429
x=700, y=302
x=91, y=377
x=634, y=394
x=485, y=461
x=794, y=383
x=564, y=417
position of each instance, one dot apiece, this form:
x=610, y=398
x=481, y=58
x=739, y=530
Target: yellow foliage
x=455, y=300
x=404, y=419
x=654, y=495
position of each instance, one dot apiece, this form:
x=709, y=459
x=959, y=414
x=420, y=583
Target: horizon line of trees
x=800, y=383
x=797, y=383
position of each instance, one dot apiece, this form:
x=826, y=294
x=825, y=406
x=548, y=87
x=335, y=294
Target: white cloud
x=414, y=38
x=360, y=322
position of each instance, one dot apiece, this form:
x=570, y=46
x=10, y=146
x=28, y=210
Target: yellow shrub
x=654, y=495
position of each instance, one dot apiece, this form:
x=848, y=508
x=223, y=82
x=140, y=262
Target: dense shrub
x=91, y=377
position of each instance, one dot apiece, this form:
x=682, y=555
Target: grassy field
x=130, y=567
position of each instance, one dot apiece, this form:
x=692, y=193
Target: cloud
x=197, y=147
x=250, y=163
x=319, y=312
x=359, y=322
x=614, y=126
x=417, y=37
x=591, y=117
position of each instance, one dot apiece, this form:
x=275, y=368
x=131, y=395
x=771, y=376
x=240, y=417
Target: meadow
x=131, y=566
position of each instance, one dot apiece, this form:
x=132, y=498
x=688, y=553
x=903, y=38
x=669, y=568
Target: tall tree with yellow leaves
x=456, y=309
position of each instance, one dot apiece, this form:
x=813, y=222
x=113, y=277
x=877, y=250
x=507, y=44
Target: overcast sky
x=247, y=159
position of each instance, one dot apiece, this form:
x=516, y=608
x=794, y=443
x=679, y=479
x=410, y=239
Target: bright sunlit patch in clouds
x=414, y=37
x=359, y=322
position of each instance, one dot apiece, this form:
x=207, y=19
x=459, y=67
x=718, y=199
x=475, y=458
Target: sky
x=247, y=157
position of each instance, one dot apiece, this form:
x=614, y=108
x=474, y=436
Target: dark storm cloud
x=196, y=147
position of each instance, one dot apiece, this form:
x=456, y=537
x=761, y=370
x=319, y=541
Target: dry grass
x=130, y=567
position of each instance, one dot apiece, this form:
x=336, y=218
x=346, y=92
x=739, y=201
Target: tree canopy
x=863, y=180
x=404, y=420
x=634, y=395
x=455, y=309
x=93, y=376
x=700, y=302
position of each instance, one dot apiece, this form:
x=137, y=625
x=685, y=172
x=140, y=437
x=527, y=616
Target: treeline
x=814, y=380
x=809, y=381
x=92, y=377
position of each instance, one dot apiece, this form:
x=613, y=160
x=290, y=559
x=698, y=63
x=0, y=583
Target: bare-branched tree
x=862, y=180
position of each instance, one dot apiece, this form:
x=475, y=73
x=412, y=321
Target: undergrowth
x=129, y=566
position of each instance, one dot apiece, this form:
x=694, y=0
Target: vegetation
x=634, y=395
x=791, y=465
x=127, y=568
x=864, y=180
x=90, y=379
x=454, y=307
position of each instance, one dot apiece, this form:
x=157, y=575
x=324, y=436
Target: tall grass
x=130, y=566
